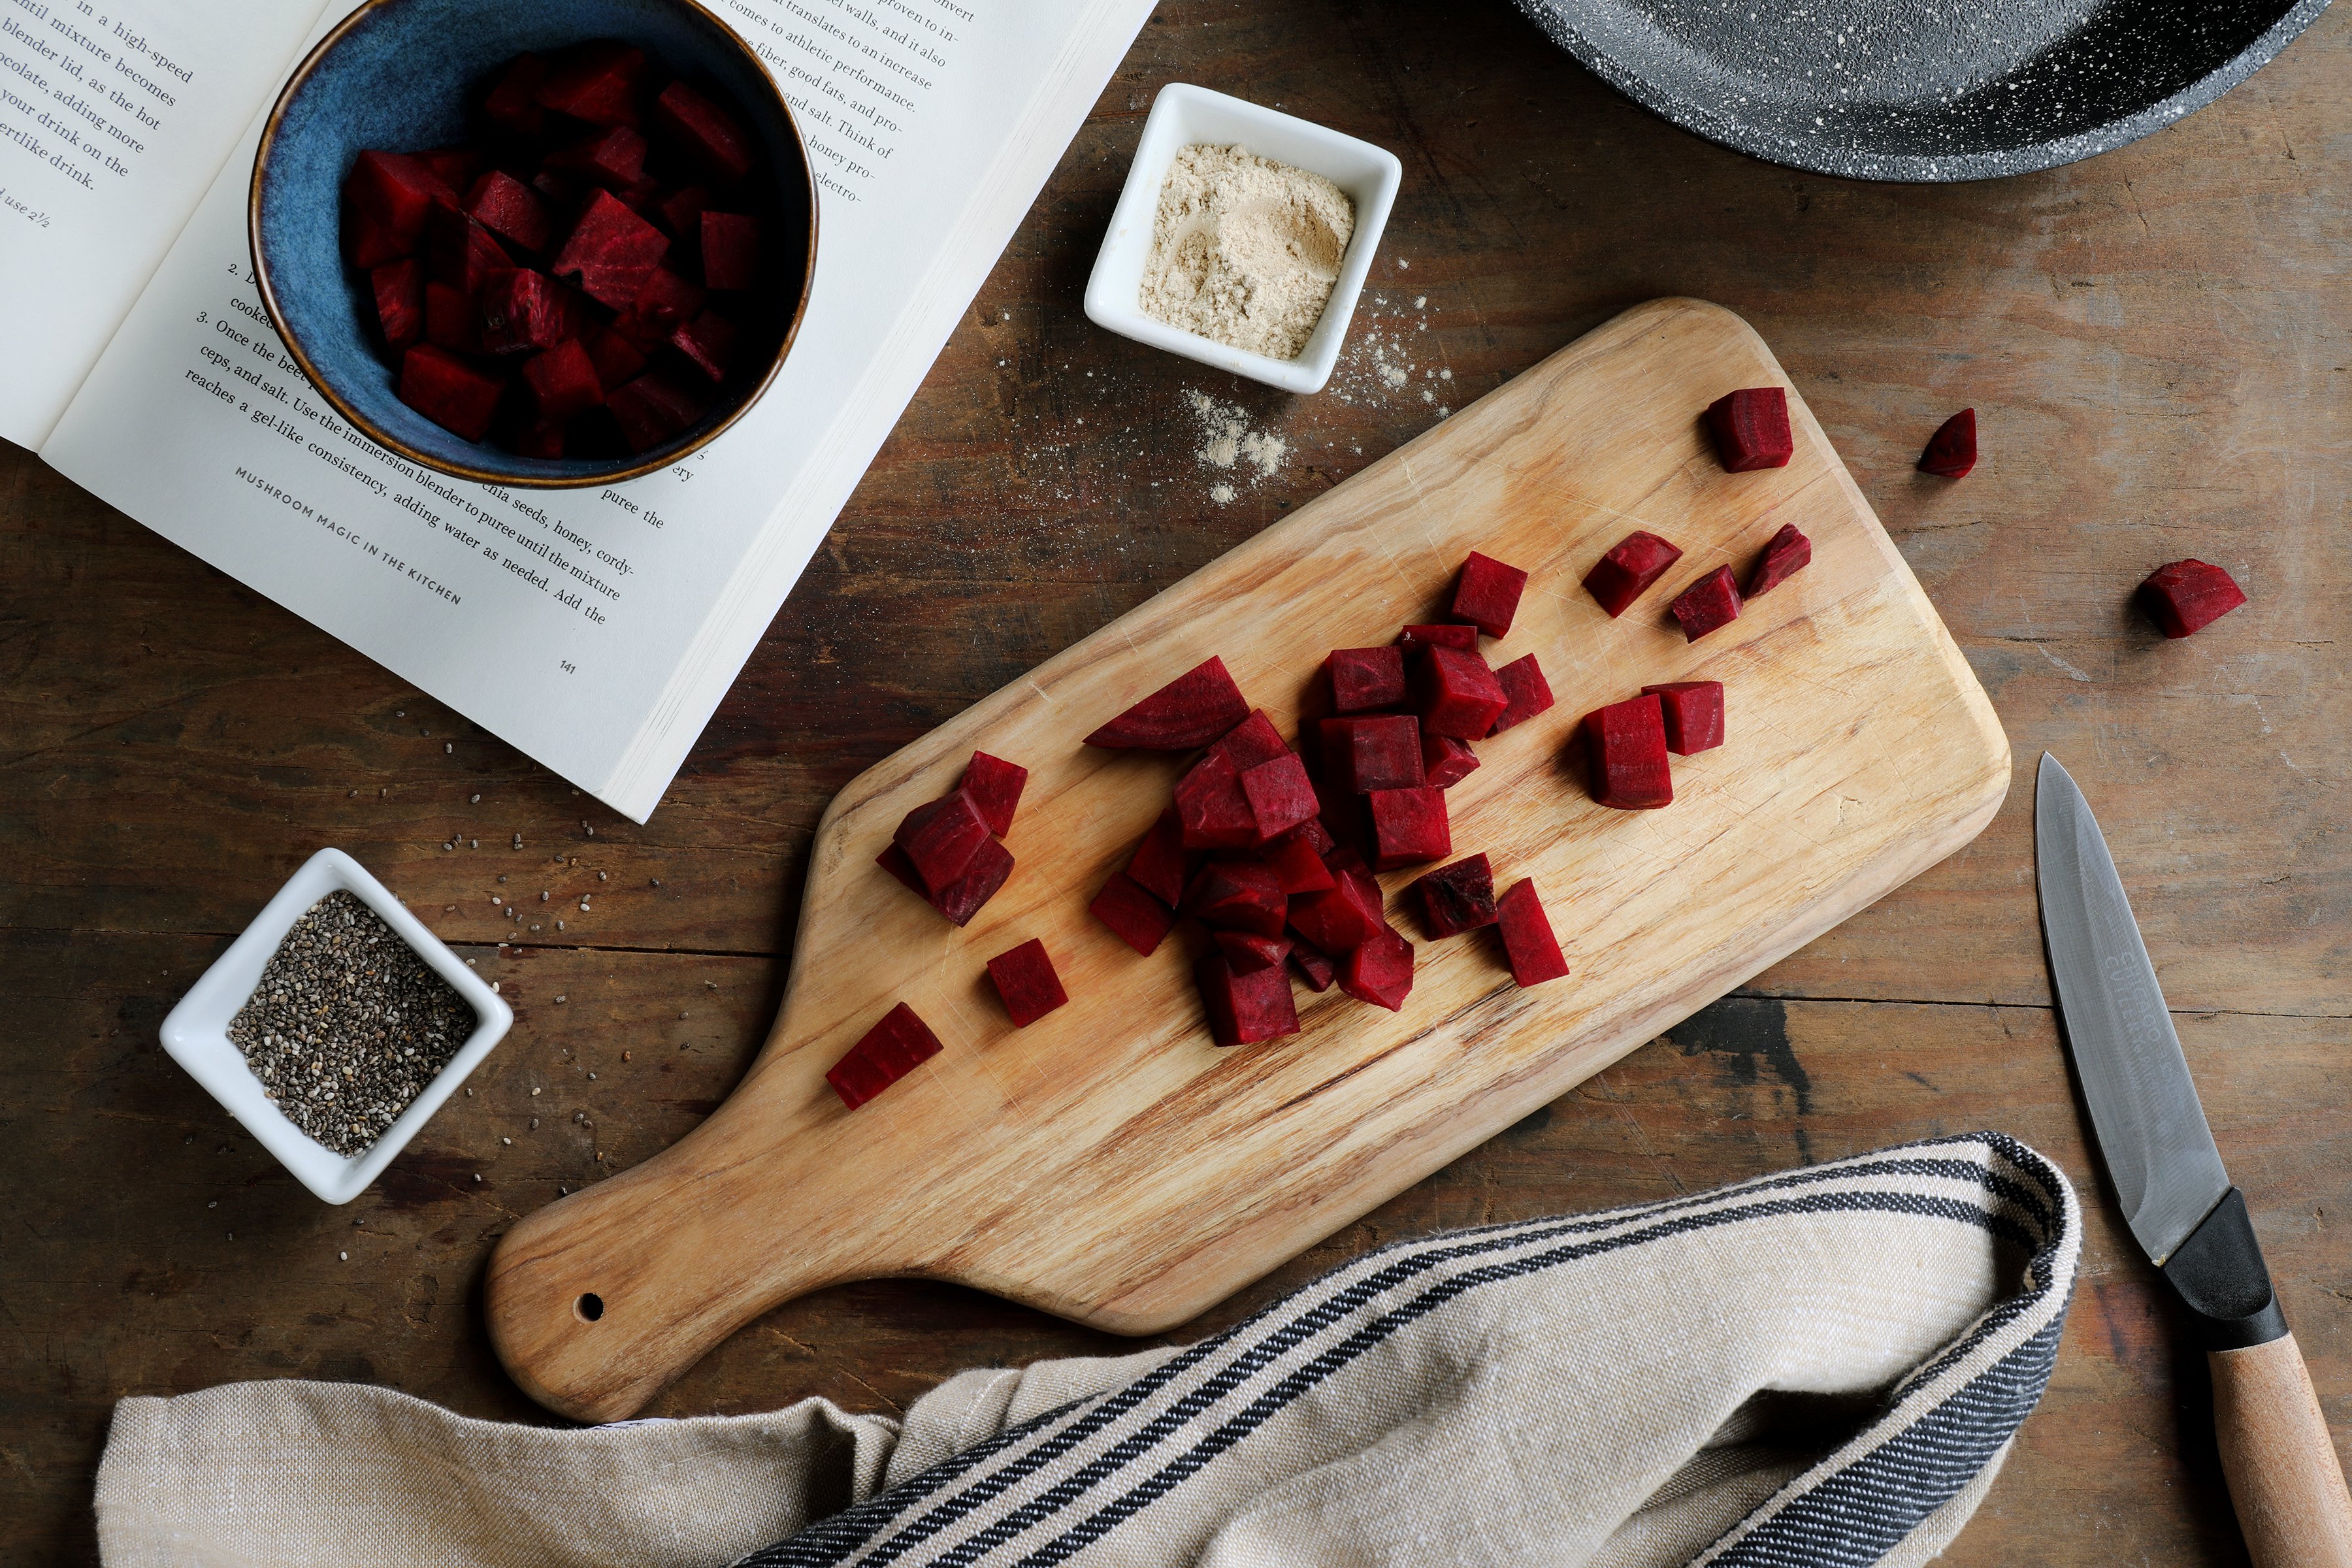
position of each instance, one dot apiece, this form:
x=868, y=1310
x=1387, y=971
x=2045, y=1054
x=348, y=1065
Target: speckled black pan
x=1923, y=90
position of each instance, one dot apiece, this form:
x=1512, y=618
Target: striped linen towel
x=1825, y=1366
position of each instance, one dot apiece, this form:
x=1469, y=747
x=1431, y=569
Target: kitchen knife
x=2276, y=1448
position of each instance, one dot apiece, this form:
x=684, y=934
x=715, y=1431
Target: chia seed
x=348, y=1024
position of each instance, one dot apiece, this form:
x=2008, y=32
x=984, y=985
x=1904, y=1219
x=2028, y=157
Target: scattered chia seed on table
x=348, y=1024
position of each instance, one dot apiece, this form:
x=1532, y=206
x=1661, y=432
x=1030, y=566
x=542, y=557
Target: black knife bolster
x=2220, y=1276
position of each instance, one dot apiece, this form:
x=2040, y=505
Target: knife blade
x=2150, y=1128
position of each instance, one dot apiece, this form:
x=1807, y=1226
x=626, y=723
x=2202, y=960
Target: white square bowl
x=1182, y=115
x=196, y=1032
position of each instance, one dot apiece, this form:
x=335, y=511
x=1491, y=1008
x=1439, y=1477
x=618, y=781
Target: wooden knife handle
x=2280, y=1458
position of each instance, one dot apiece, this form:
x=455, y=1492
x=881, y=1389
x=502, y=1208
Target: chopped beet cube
x=1246, y=1008
x=1528, y=940
x=460, y=252
x=1523, y=682
x=399, y=290
x=1458, y=898
x=1786, y=554
x=2187, y=596
x=1441, y=636
x=1337, y=919
x=616, y=359
x=1247, y=952
x=1193, y=709
x=1313, y=832
x=1315, y=967
x=708, y=344
x=1280, y=795
x=994, y=786
x=1161, y=866
x=1626, y=743
x=1457, y=694
x=1410, y=826
x=1210, y=804
x=453, y=166
x=540, y=438
x=1952, y=449
x=986, y=871
x=509, y=209
x=559, y=189
x=1379, y=970
x=894, y=860
x=681, y=212
x=611, y=252
x=1237, y=895
x=521, y=312
x=594, y=81
x=513, y=104
x=891, y=1049
x=941, y=837
x=1751, y=428
x=387, y=198
x=1297, y=866
x=1360, y=755
x=1366, y=678
x=450, y=319
x=1250, y=743
x=1711, y=602
x=1025, y=980
x=730, y=251
x=1487, y=595
x=1447, y=761
x=667, y=302
x=1139, y=920
x=654, y=409
x=458, y=396
x=562, y=380
x=1625, y=574
x=1694, y=714
x=705, y=132
x=615, y=159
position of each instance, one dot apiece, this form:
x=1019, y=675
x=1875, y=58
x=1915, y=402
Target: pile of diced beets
x=591, y=274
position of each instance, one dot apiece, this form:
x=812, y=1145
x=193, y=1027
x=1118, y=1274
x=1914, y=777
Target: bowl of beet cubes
x=534, y=244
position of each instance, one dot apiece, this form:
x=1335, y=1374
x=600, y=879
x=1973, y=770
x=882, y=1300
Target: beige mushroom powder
x=1245, y=249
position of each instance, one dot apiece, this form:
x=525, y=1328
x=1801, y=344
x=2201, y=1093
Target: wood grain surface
x=2158, y=346
x=1108, y=1163
x=2286, y=1480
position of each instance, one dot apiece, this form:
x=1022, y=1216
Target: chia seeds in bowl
x=348, y=1024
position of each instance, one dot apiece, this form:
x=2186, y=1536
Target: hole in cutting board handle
x=591, y=1306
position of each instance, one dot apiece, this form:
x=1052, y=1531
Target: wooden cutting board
x=1108, y=1164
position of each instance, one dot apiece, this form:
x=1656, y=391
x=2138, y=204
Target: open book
x=594, y=629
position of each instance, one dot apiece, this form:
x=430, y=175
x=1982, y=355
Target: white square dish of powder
x=1245, y=250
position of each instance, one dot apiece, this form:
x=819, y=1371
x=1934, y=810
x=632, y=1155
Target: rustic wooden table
x=2159, y=345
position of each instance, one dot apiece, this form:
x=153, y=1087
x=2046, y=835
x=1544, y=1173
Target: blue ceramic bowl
x=407, y=75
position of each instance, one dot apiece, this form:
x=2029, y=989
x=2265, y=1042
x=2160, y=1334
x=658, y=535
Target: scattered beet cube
x=1487, y=595
x=1443, y=634
x=1410, y=826
x=1711, y=602
x=1191, y=711
x=1237, y=895
x=1786, y=554
x=615, y=159
x=1296, y=865
x=1528, y=942
x=1246, y=1008
x=1314, y=968
x=1625, y=574
x=1626, y=743
x=562, y=382
x=1457, y=694
x=521, y=312
x=891, y=1049
x=611, y=252
x=1693, y=710
x=1139, y=920
x=1026, y=983
x=1952, y=449
x=1360, y=755
x=940, y=837
x=509, y=209
x=387, y=198
x=596, y=81
x=1246, y=953
x=706, y=133
x=1364, y=679
x=1210, y=804
x=1457, y=898
x=1447, y=761
x=1523, y=683
x=1280, y=795
x=708, y=343
x=653, y=410
x=730, y=251
x=1379, y=970
x=994, y=786
x=2187, y=596
x=1339, y=919
x=399, y=290
x=1253, y=742
x=459, y=397
x=513, y=104
x=1751, y=428
x=983, y=874
x=1161, y=866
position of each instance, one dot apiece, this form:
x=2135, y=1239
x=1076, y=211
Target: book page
x=598, y=628
x=114, y=116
